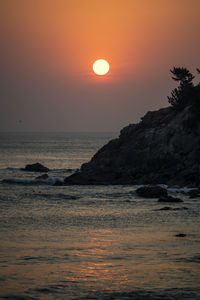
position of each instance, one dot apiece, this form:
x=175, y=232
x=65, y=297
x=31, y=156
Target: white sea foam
x=63, y=170
x=180, y=190
x=12, y=169
x=49, y=181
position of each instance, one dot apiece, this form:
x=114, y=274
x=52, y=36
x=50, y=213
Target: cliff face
x=163, y=148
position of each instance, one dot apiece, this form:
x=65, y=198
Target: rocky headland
x=163, y=148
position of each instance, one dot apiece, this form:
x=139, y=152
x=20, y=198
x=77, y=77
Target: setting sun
x=101, y=67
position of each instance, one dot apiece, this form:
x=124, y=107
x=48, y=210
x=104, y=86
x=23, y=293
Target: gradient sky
x=47, y=49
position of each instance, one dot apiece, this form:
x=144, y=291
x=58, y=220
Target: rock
x=58, y=183
x=180, y=235
x=172, y=208
x=37, y=167
x=42, y=177
x=76, y=178
x=181, y=208
x=161, y=149
x=151, y=192
x=165, y=208
x=169, y=199
x=194, y=193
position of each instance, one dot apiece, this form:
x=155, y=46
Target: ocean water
x=88, y=242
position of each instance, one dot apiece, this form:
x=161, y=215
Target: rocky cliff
x=163, y=148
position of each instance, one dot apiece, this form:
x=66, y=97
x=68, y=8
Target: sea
x=89, y=242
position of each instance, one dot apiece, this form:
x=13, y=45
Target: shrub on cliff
x=182, y=95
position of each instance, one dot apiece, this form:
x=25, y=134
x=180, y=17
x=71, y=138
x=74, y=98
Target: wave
x=12, y=169
x=64, y=170
x=56, y=196
x=180, y=190
x=115, y=194
x=49, y=181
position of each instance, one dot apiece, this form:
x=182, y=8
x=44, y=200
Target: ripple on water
x=168, y=294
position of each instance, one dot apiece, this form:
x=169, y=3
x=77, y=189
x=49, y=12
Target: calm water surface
x=88, y=242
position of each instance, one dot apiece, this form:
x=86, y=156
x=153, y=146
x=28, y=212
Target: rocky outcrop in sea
x=37, y=167
x=163, y=148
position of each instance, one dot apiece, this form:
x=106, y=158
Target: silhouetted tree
x=180, y=96
x=183, y=75
x=198, y=71
x=197, y=97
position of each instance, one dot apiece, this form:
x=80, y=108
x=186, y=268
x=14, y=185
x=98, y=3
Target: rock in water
x=194, y=193
x=165, y=208
x=163, y=148
x=42, y=177
x=172, y=208
x=180, y=235
x=58, y=183
x=37, y=167
x=169, y=199
x=151, y=192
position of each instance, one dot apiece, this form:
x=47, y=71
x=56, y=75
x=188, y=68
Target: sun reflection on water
x=97, y=260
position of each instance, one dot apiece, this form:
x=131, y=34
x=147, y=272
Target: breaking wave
x=64, y=170
x=49, y=181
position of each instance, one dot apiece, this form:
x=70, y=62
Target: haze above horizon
x=48, y=49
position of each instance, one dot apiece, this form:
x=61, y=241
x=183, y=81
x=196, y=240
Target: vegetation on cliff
x=186, y=93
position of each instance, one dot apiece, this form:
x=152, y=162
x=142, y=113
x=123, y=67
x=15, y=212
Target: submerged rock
x=172, y=208
x=37, y=167
x=42, y=177
x=165, y=208
x=181, y=235
x=164, y=147
x=58, y=183
x=169, y=199
x=194, y=193
x=151, y=192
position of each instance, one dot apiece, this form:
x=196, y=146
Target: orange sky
x=49, y=46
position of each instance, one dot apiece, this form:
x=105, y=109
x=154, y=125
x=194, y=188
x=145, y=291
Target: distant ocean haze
x=54, y=150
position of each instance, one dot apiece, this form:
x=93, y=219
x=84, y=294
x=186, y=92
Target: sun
x=101, y=67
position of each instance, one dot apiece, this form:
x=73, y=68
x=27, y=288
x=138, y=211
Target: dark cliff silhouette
x=163, y=148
